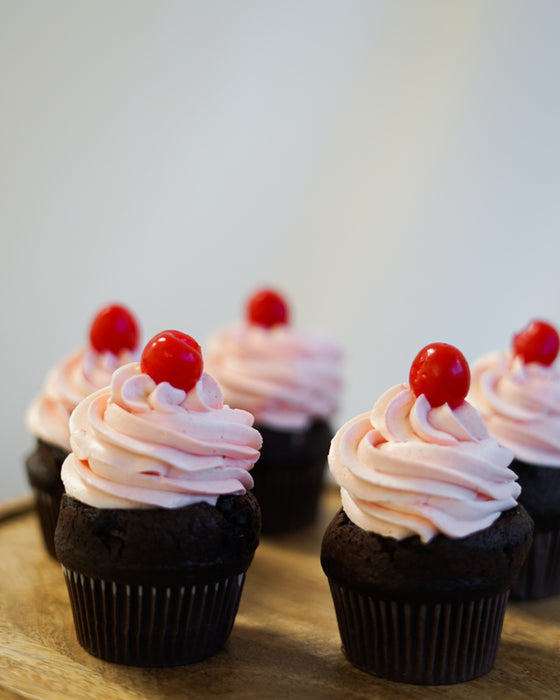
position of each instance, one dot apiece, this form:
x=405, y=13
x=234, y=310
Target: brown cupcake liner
x=420, y=643
x=152, y=626
x=288, y=496
x=540, y=574
x=47, y=506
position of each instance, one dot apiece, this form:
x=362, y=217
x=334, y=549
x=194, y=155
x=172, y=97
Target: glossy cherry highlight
x=114, y=328
x=267, y=308
x=441, y=373
x=174, y=357
x=537, y=342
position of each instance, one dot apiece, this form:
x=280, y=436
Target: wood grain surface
x=284, y=644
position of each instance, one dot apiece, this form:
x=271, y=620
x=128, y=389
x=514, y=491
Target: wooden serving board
x=284, y=643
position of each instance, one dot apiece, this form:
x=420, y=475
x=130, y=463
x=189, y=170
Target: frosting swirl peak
x=520, y=403
x=77, y=376
x=141, y=444
x=284, y=377
x=408, y=469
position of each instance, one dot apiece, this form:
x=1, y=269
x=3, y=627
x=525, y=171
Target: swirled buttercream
x=140, y=444
x=520, y=404
x=409, y=469
x=66, y=385
x=284, y=377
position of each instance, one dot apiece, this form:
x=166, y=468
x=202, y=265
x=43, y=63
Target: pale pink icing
x=520, y=404
x=284, y=377
x=409, y=469
x=141, y=444
x=66, y=385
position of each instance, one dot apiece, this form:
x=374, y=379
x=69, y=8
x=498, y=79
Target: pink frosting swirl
x=141, y=444
x=409, y=469
x=284, y=377
x=66, y=385
x=520, y=404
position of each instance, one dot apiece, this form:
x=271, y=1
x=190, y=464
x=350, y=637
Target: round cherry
x=114, y=328
x=267, y=308
x=537, y=342
x=174, y=357
x=441, y=373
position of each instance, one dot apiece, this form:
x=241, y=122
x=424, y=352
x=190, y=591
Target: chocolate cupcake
x=517, y=391
x=290, y=381
x=113, y=342
x=430, y=538
x=158, y=526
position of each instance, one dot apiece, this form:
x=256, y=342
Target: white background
x=392, y=166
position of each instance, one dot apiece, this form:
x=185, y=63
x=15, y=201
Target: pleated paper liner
x=153, y=626
x=420, y=643
x=540, y=574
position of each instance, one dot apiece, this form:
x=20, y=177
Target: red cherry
x=114, y=328
x=441, y=373
x=267, y=308
x=174, y=357
x=537, y=342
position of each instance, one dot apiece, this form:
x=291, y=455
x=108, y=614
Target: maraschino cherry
x=267, y=308
x=537, y=342
x=174, y=357
x=441, y=373
x=114, y=328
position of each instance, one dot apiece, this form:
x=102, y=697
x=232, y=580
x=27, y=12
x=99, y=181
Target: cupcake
x=430, y=537
x=158, y=525
x=290, y=381
x=113, y=340
x=517, y=391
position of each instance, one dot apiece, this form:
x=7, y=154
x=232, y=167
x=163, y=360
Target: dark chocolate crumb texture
x=158, y=546
x=445, y=569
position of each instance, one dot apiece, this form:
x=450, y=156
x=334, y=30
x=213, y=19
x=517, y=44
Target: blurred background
x=393, y=167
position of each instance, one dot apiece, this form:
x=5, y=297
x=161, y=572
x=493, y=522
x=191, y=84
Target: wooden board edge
x=14, y=507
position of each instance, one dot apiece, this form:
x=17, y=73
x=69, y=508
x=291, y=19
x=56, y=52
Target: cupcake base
x=156, y=587
x=43, y=472
x=289, y=475
x=152, y=626
x=425, y=613
x=540, y=574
